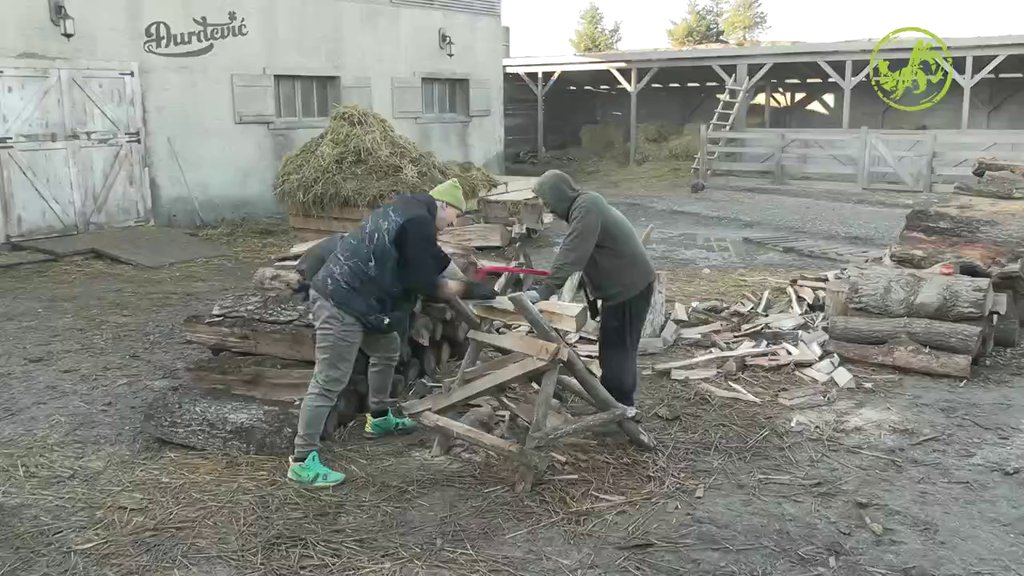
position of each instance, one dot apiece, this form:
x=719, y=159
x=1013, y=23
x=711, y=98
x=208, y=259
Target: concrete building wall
x=188, y=102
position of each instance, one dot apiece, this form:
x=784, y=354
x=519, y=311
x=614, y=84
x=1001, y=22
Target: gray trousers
x=338, y=340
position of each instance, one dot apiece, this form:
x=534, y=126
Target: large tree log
x=946, y=336
x=985, y=165
x=251, y=337
x=980, y=230
x=222, y=423
x=260, y=377
x=1000, y=185
x=478, y=235
x=895, y=292
x=904, y=354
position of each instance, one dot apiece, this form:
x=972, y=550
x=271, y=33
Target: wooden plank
x=478, y=235
x=565, y=316
x=261, y=377
x=460, y=431
x=250, y=337
x=521, y=343
x=481, y=370
x=483, y=386
x=668, y=366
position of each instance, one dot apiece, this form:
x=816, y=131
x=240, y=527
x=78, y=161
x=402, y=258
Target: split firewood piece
x=668, y=366
x=794, y=302
x=697, y=332
x=743, y=395
x=904, y=354
x=561, y=315
x=512, y=342
x=655, y=320
x=679, y=313
x=478, y=235
x=762, y=306
x=649, y=346
x=843, y=378
x=669, y=334
x=687, y=375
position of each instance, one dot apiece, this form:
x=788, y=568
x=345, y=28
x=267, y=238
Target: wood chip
x=744, y=395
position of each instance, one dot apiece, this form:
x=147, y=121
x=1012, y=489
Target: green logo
x=922, y=81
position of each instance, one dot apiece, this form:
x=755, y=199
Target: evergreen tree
x=701, y=25
x=744, y=21
x=592, y=35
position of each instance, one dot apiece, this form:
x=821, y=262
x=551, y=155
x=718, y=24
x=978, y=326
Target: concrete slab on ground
x=149, y=246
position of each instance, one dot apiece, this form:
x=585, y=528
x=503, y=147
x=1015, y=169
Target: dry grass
x=361, y=161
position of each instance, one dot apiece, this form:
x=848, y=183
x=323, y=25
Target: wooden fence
x=909, y=160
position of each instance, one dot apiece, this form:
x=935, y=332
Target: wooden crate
x=337, y=220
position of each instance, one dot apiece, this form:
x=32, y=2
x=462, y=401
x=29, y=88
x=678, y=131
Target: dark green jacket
x=600, y=242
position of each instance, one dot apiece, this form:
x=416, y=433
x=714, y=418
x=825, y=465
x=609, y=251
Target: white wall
x=188, y=101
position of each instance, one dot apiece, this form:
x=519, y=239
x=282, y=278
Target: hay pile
x=667, y=142
x=361, y=161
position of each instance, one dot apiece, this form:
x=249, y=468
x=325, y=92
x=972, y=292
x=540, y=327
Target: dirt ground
x=735, y=488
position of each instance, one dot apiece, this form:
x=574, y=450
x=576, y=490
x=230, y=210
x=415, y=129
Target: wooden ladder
x=725, y=115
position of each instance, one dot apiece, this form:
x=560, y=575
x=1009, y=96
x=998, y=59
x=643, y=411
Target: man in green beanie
x=616, y=270
x=363, y=288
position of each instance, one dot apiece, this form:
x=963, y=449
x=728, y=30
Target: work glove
x=478, y=291
x=532, y=296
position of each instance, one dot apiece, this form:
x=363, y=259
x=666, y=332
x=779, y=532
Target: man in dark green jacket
x=616, y=270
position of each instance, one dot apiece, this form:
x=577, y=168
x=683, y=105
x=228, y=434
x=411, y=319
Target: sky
x=544, y=27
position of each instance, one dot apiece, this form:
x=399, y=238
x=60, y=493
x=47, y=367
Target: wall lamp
x=444, y=40
x=61, y=19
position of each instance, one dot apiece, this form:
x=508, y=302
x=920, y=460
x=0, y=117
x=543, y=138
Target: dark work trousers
x=621, y=326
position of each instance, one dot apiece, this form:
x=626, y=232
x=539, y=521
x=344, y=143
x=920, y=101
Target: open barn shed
x=799, y=111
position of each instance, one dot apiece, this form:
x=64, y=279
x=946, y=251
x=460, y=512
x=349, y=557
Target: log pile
x=916, y=321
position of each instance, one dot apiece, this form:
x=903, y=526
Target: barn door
x=104, y=120
x=37, y=196
x=897, y=162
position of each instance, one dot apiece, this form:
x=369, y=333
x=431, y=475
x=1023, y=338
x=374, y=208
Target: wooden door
x=37, y=195
x=104, y=123
x=898, y=161
x=37, y=191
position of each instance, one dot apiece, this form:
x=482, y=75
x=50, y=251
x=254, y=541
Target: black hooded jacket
x=376, y=273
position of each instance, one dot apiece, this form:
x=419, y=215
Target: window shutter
x=406, y=98
x=254, y=98
x=357, y=91
x=479, y=98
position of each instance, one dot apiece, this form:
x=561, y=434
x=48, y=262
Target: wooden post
x=632, y=114
x=864, y=170
x=741, y=106
x=540, y=115
x=929, y=160
x=778, y=158
x=575, y=364
x=967, y=83
x=768, y=104
x=702, y=164
x=847, y=93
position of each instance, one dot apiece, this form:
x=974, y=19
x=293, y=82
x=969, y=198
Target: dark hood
x=558, y=191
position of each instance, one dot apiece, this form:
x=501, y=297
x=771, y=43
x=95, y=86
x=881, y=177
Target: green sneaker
x=389, y=424
x=312, y=473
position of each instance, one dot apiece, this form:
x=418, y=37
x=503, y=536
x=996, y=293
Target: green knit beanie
x=450, y=193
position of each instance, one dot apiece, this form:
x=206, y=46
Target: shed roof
x=799, y=52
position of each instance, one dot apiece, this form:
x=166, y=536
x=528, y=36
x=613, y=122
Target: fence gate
x=71, y=152
x=897, y=161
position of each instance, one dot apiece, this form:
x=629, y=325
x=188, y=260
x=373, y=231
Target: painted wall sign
x=161, y=40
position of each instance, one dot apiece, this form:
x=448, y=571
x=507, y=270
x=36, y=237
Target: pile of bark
x=926, y=321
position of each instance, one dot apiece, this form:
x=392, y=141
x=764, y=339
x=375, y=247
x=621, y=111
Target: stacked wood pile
x=245, y=398
x=917, y=321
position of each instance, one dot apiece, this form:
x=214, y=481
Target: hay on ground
x=361, y=161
